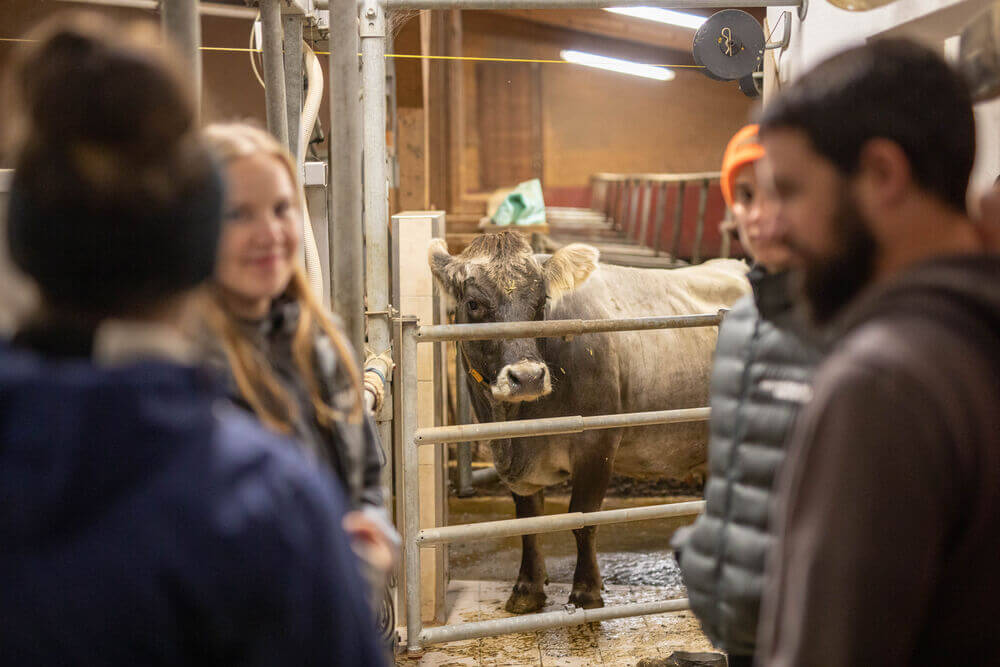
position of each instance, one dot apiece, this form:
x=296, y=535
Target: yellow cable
x=415, y=56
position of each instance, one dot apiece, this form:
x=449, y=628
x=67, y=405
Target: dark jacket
x=889, y=531
x=760, y=378
x=143, y=521
x=353, y=451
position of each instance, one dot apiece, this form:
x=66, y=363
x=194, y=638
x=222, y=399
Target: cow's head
x=498, y=279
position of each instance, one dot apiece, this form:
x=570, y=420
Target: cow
x=498, y=278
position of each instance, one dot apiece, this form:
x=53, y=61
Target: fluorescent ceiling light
x=683, y=19
x=616, y=65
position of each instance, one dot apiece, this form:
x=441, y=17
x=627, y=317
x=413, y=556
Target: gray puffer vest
x=760, y=379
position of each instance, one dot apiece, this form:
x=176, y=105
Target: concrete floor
x=621, y=642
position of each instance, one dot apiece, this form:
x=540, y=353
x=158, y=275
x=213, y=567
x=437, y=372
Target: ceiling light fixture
x=616, y=65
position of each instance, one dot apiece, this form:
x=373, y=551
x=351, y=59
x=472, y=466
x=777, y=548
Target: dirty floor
x=619, y=642
x=629, y=554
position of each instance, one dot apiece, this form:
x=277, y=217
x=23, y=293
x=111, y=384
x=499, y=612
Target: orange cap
x=742, y=149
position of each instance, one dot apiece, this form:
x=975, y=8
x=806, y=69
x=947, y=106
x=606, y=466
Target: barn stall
x=364, y=269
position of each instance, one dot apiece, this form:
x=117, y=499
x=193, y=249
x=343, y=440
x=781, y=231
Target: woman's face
x=260, y=235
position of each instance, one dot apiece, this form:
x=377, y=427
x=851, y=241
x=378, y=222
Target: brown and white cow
x=498, y=279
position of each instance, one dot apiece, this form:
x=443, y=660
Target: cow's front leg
x=590, y=482
x=529, y=591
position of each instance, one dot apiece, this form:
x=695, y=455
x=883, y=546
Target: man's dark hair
x=893, y=89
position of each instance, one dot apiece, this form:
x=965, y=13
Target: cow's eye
x=472, y=305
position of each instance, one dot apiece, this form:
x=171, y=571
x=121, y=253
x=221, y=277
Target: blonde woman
x=285, y=359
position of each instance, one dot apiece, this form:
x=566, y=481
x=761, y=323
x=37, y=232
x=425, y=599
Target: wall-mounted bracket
x=786, y=34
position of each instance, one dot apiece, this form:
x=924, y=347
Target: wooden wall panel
x=505, y=93
x=599, y=121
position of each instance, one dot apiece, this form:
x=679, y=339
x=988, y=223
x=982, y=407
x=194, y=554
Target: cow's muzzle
x=524, y=381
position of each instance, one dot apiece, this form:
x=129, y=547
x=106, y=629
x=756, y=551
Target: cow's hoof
x=586, y=599
x=524, y=600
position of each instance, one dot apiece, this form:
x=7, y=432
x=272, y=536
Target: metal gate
x=409, y=335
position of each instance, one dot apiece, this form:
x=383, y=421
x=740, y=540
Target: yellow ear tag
x=475, y=374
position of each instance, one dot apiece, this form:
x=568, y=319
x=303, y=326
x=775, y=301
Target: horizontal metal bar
x=551, y=619
x=485, y=476
x=554, y=523
x=583, y=4
x=525, y=428
x=553, y=328
x=661, y=178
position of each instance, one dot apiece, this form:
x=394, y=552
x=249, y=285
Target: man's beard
x=828, y=283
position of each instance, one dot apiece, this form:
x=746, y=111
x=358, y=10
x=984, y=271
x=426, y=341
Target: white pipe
x=310, y=110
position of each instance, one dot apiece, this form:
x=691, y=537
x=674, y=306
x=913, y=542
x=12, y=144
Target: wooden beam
x=456, y=113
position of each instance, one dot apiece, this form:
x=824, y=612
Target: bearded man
x=889, y=502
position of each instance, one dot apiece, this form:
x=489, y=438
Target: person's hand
x=372, y=540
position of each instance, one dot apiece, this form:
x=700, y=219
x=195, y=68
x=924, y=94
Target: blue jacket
x=144, y=522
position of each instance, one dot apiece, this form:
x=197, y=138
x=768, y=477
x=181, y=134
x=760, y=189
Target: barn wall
x=590, y=121
x=827, y=30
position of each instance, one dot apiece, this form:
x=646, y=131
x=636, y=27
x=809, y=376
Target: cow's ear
x=568, y=268
x=442, y=266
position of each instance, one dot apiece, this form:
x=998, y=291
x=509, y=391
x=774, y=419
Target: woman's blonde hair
x=253, y=374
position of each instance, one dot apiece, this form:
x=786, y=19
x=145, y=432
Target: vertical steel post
x=371, y=26
x=463, y=475
x=647, y=200
x=376, y=210
x=633, y=210
x=292, y=62
x=411, y=480
x=346, y=233
x=274, y=71
x=609, y=205
x=675, y=244
x=182, y=27
x=658, y=218
x=699, y=228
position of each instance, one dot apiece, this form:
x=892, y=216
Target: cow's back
x=652, y=370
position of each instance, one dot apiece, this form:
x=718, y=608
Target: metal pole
x=675, y=244
x=568, y=616
x=346, y=237
x=661, y=208
x=292, y=24
x=463, y=449
x=375, y=188
x=612, y=205
x=553, y=328
x=526, y=428
x=633, y=209
x=274, y=72
x=182, y=26
x=699, y=228
x=583, y=4
x=485, y=476
x=376, y=202
x=411, y=480
x=647, y=201
x=488, y=530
